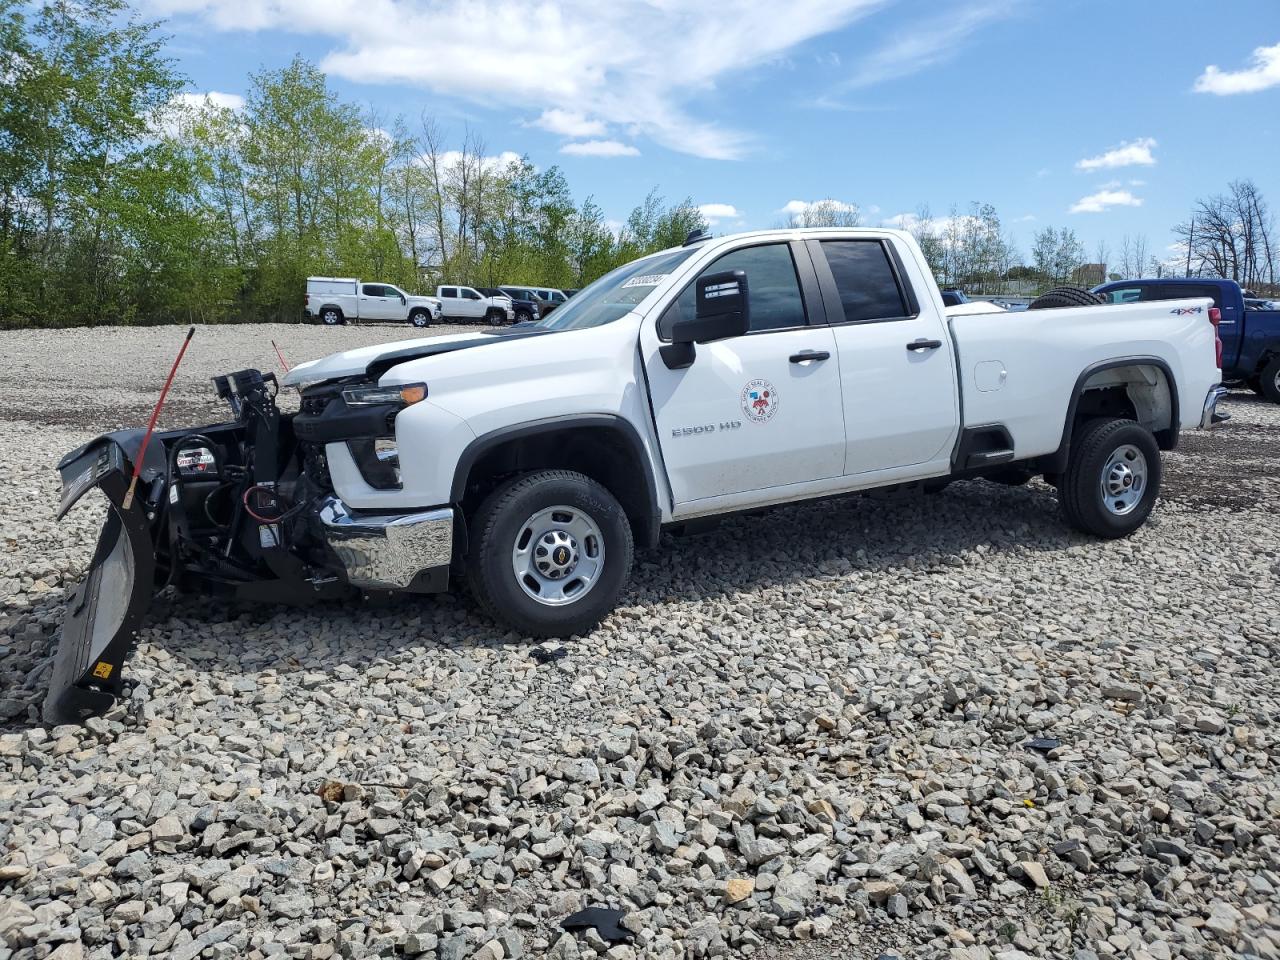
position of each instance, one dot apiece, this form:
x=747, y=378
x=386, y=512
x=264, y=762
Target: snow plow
x=227, y=508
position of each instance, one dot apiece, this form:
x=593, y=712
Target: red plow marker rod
x=155, y=415
x=283, y=362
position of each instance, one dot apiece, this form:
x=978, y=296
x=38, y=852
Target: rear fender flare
x=1057, y=461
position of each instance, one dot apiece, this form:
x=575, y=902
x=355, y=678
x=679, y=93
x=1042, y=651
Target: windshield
x=613, y=295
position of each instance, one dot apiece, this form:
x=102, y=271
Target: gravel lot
x=803, y=735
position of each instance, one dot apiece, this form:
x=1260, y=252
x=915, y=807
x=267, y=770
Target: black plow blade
x=104, y=611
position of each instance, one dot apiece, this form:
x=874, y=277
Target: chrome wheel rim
x=330, y=318
x=419, y=320
x=1124, y=480
x=558, y=555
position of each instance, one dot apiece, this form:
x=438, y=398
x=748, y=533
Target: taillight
x=1215, y=317
x=306, y=299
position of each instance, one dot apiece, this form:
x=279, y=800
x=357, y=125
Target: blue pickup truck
x=1249, y=329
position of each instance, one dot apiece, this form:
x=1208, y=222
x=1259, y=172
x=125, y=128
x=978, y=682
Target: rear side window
x=374, y=290
x=773, y=289
x=449, y=292
x=1146, y=292
x=865, y=280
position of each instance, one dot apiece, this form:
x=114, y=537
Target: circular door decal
x=759, y=401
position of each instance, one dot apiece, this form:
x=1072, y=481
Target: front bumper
x=390, y=551
x=1210, y=415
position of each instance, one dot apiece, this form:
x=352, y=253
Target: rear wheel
x=551, y=553
x=1065, y=297
x=1112, y=478
x=420, y=318
x=1269, y=381
x=331, y=316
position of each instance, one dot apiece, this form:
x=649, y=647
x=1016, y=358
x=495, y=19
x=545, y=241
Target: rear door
x=758, y=411
x=897, y=373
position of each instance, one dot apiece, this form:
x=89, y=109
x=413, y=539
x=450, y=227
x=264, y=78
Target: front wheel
x=550, y=554
x=1112, y=478
x=495, y=317
x=1269, y=381
x=420, y=318
x=524, y=316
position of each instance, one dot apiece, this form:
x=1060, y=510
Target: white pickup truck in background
x=722, y=376
x=338, y=300
x=468, y=303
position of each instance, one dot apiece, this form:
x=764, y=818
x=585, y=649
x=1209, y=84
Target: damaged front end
x=232, y=508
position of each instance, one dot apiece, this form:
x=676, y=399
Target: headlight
x=405, y=395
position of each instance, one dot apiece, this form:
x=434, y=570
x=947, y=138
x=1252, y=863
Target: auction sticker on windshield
x=648, y=280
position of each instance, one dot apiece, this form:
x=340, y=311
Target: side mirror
x=722, y=310
x=403, y=299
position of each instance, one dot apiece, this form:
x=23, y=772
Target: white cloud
x=600, y=148
x=451, y=158
x=1128, y=154
x=634, y=64
x=1104, y=200
x=927, y=42
x=227, y=101
x=1263, y=73
x=569, y=123
x=168, y=120
x=801, y=207
x=713, y=213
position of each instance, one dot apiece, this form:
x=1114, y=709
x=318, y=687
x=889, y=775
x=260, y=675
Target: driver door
x=754, y=412
x=374, y=302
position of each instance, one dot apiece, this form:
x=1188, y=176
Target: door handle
x=806, y=355
x=922, y=344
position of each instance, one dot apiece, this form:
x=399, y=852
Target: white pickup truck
x=338, y=300
x=722, y=376
x=468, y=303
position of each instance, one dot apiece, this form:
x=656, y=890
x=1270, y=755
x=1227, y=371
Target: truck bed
x=1015, y=368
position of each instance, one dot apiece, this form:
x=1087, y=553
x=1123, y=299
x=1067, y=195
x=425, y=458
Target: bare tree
x=826, y=213
x=1232, y=235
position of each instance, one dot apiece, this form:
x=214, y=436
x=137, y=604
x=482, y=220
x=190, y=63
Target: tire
x=521, y=512
x=332, y=317
x=495, y=317
x=1269, y=380
x=420, y=318
x=1093, y=491
x=524, y=316
x=1065, y=297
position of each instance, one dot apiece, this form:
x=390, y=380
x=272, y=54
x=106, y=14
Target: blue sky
x=1107, y=117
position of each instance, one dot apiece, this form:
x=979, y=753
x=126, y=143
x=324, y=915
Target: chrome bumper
x=387, y=551
x=1209, y=416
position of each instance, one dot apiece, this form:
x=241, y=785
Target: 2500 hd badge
x=705, y=428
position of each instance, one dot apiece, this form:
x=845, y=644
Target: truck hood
x=352, y=363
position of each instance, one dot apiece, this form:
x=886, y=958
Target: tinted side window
x=864, y=277
x=773, y=289
x=451, y=292
x=1125, y=295
x=373, y=290
x=1194, y=290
